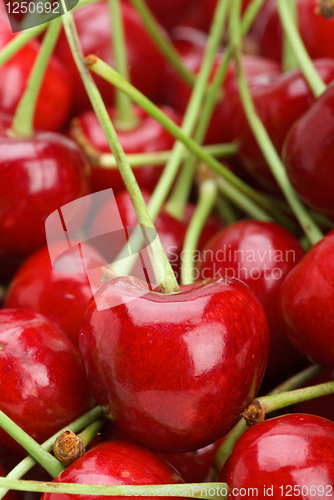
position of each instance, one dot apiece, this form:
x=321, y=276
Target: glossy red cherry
x=38, y=175
x=55, y=98
x=145, y=61
x=182, y=365
x=308, y=154
x=62, y=297
x=289, y=456
x=148, y=136
x=43, y=385
x=307, y=301
x=115, y=463
x=260, y=254
x=279, y=102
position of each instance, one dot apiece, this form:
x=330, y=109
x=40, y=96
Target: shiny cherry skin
x=280, y=101
x=43, y=384
x=260, y=254
x=147, y=136
x=182, y=365
x=116, y=463
x=61, y=297
x=307, y=302
x=316, y=31
x=55, y=98
x=309, y=156
x=145, y=61
x=38, y=176
x=288, y=452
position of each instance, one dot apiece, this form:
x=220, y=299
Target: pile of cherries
x=174, y=371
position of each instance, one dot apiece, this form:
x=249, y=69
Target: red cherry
x=145, y=61
x=38, y=176
x=148, y=136
x=170, y=14
x=116, y=463
x=182, y=365
x=43, y=385
x=61, y=297
x=291, y=455
x=307, y=301
x=260, y=254
x=308, y=154
x=279, y=102
x=55, y=97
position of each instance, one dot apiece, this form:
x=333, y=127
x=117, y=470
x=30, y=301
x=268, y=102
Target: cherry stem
x=159, y=158
x=289, y=59
x=232, y=437
x=102, y=69
x=206, y=202
x=241, y=201
x=194, y=490
x=192, y=113
x=163, y=43
x=19, y=41
x=88, y=434
x=23, y=121
x=162, y=269
x=276, y=166
x=297, y=46
x=125, y=118
x=28, y=463
x=50, y=463
x=225, y=211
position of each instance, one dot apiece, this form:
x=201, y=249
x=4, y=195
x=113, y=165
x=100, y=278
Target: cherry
x=307, y=301
x=279, y=101
x=260, y=254
x=92, y=22
x=147, y=136
x=308, y=154
x=55, y=97
x=287, y=455
x=116, y=463
x=61, y=297
x=170, y=14
x=43, y=385
x=182, y=365
x=38, y=175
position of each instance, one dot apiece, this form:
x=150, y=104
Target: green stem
x=18, y=42
x=125, y=117
x=88, y=434
x=289, y=59
x=195, y=490
x=163, y=271
x=162, y=42
x=225, y=211
x=28, y=463
x=206, y=202
x=50, y=463
x=304, y=61
x=102, y=69
x=232, y=437
x=107, y=160
x=277, y=168
x=284, y=399
x=24, y=115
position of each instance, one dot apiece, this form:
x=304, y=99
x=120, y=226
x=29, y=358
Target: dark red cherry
x=148, y=136
x=55, y=98
x=283, y=456
x=308, y=154
x=43, y=385
x=116, y=463
x=170, y=14
x=260, y=254
x=145, y=61
x=279, y=101
x=38, y=176
x=62, y=297
x=307, y=301
x=182, y=365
